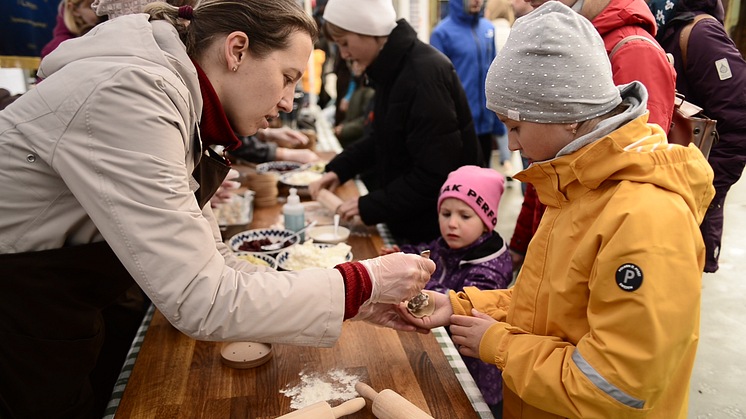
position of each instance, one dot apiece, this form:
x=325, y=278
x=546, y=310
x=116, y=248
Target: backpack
x=688, y=123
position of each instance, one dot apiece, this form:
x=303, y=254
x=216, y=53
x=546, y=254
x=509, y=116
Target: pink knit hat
x=479, y=188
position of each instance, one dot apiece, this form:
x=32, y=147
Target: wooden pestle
x=322, y=410
x=328, y=200
x=388, y=404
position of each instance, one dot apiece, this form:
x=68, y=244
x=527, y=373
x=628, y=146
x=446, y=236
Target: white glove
x=382, y=315
x=397, y=277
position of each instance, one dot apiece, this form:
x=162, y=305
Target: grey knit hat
x=552, y=69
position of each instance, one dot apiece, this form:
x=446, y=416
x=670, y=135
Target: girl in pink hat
x=470, y=253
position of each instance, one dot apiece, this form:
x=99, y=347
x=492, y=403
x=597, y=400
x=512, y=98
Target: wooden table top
x=178, y=377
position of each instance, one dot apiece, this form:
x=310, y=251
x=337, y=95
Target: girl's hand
x=389, y=250
x=467, y=331
x=440, y=317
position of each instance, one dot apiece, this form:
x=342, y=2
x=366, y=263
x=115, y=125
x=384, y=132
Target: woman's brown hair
x=268, y=24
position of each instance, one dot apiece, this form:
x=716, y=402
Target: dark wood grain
x=178, y=377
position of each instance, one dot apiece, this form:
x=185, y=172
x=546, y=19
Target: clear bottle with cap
x=294, y=212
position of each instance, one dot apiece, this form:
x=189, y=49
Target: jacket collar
x=385, y=68
x=487, y=247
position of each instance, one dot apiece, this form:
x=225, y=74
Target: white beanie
x=364, y=17
x=552, y=69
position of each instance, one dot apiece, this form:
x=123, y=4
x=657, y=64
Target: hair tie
x=186, y=12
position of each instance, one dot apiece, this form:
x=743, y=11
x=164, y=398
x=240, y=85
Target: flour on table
x=315, y=387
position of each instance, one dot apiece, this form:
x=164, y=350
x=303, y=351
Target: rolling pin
x=328, y=200
x=388, y=404
x=322, y=410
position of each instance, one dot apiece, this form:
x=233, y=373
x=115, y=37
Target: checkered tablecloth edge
x=129, y=363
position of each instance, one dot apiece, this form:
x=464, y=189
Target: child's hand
x=440, y=317
x=467, y=331
x=388, y=250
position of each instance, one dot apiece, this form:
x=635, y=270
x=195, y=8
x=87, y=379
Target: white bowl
x=271, y=261
x=285, y=255
x=277, y=167
x=325, y=234
x=274, y=235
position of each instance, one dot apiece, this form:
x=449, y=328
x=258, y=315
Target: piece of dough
x=425, y=309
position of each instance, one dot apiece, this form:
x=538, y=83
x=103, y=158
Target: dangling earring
x=574, y=130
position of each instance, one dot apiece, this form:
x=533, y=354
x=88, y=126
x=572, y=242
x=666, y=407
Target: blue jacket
x=469, y=41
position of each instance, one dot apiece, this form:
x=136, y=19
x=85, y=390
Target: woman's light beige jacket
x=103, y=149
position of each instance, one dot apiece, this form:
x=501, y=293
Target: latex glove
x=284, y=137
x=330, y=181
x=397, y=277
x=385, y=315
x=302, y=155
x=467, y=331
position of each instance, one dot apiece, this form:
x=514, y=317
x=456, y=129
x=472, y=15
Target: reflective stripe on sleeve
x=604, y=385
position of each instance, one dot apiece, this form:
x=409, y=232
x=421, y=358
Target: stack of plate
x=265, y=186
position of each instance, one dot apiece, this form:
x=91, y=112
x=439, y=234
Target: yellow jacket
x=603, y=321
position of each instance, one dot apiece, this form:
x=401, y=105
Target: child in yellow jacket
x=603, y=321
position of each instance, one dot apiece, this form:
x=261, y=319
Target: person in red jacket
x=614, y=20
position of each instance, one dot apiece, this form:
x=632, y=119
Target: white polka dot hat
x=552, y=69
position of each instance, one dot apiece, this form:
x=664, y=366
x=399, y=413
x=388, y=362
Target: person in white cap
x=422, y=126
x=603, y=321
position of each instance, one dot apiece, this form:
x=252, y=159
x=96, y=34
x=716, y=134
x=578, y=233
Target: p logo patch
x=629, y=277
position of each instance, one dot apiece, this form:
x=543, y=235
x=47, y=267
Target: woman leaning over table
x=105, y=175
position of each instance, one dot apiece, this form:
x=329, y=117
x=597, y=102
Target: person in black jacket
x=422, y=123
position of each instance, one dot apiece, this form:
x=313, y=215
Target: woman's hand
x=389, y=250
x=330, y=181
x=349, y=209
x=385, y=315
x=223, y=195
x=440, y=317
x=467, y=331
x=397, y=277
x=284, y=137
x=301, y=155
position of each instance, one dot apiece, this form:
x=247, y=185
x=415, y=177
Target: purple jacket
x=722, y=100
x=485, y=264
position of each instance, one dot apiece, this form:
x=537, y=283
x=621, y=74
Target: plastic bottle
x=294, y=212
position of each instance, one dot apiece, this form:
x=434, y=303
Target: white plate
x=300, y=179
x=284, y=256
x=272, y=234
x=265, y=257
x=277, y=167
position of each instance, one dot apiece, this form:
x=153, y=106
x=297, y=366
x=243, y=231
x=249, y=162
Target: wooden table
x=178, y=377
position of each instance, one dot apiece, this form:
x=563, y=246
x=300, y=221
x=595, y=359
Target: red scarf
x=214, y=126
